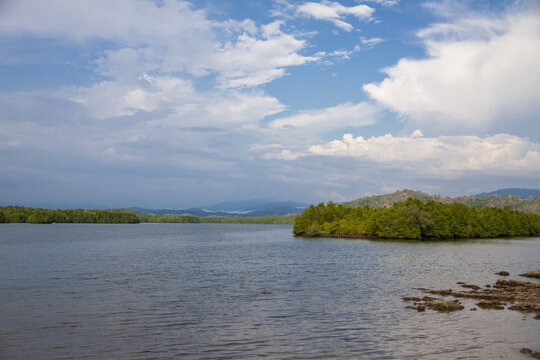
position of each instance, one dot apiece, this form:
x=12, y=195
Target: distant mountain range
x=246, y=208
x=524, y=193
x=515, y=198
x=527, y=200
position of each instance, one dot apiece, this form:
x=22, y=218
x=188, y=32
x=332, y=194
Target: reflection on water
x=162, y=291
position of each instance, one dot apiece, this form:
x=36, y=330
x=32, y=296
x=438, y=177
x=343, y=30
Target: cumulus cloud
x=499, y=154
x=335, y=12
x=251, y=60
x=168, y=37
x=480, y=71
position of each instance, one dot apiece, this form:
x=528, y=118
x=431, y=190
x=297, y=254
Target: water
x=220, y=291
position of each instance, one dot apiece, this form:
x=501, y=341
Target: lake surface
x=222, y=291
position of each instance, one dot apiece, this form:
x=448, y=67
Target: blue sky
x=188, y=103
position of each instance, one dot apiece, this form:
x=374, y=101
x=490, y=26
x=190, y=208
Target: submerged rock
x=532, y=274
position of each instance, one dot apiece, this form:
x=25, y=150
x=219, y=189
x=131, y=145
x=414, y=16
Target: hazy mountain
x=236, y=208
x=524, y=193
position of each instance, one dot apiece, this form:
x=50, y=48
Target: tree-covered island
x=415, y=219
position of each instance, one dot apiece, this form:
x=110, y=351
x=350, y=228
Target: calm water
x=162, y=291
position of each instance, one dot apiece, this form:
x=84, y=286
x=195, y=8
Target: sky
x=176, y=104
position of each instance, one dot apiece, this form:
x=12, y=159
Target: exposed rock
x=265, y=292
x=523, y=296
x=526, y=307
x=474, y=287
x=421, y=308
x=503, y=273
x=439, y=292
x=532, y=274
x=534, y=354
x=473, y=309
x=487, y=304
x=411, y=298
x=418, y=299
x=443, y=305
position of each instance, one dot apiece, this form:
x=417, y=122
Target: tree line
x=187, y=218
x=22, y=214
x=415, y=219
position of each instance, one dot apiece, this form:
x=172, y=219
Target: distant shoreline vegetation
x=22, y=214
x=415, y=219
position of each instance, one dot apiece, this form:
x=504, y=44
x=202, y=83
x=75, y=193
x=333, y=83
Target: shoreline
x=374, y=237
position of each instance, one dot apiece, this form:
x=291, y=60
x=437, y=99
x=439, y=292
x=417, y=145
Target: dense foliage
x=415, y=219
x=20, y=214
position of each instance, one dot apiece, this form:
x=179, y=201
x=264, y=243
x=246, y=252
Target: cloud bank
x=480, y=71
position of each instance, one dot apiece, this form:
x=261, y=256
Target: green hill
x=531, y=205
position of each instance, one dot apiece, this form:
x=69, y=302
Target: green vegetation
x=20, y=214
x=503, y=201
x=186, y=218
x=415, y=219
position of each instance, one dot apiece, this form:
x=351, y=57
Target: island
x=415, y=219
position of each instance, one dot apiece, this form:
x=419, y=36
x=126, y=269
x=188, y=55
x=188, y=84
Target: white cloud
x=285, y=154
x=385, y=2
x=480, y=72
x=499, y=154
x=252, y=60
x=225, y=110
x=167, y=37
x=111, y=99
x=334, y=12
x=371, y=42
x=343, y=115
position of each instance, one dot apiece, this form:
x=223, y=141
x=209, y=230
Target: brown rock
x=534, y=354
x=532, y=274
x=495, y=305
x=503, y=273
x=411, y=298
x=421, y=308
x=444, y=305
x=526, y=307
